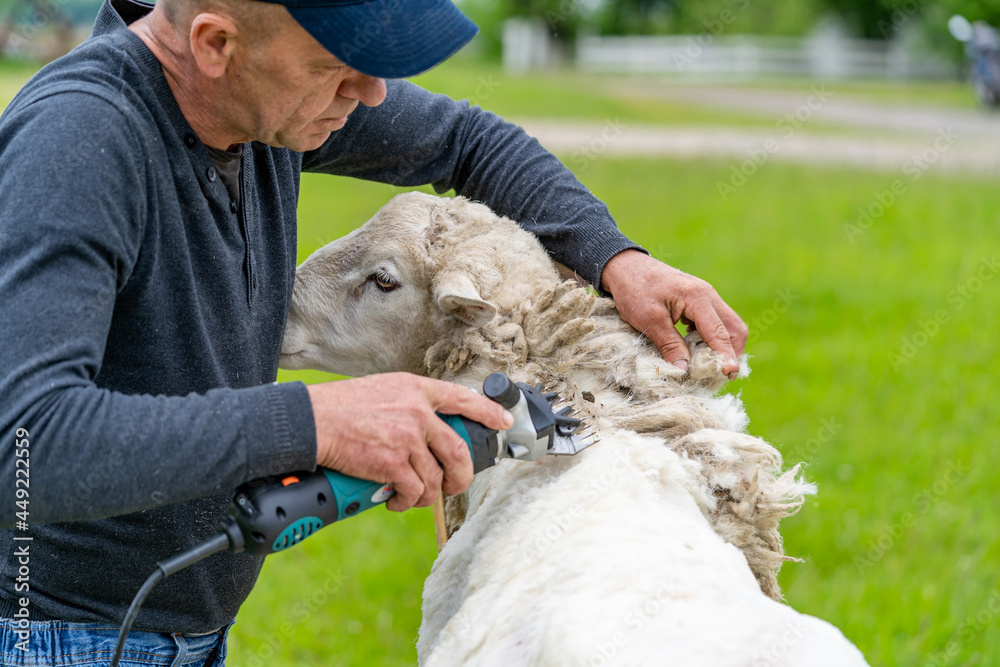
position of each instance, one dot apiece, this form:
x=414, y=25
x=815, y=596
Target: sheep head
x=375, y=300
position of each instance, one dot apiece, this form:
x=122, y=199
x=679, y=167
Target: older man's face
x=297, y=93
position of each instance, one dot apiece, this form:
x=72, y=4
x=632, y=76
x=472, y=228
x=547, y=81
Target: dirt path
x=888, y=137
x=827, y=107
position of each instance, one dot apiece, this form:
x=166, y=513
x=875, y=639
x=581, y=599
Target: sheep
x=658, y=545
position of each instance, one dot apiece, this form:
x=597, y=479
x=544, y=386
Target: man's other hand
x=383, y=428
x=653, y=297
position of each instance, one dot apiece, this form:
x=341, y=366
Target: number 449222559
x=22, y=469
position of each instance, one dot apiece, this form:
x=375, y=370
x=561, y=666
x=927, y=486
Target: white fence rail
x=744, y=55
x=826, y=54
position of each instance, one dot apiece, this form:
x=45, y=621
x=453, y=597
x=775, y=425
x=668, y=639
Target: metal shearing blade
x=568, y=445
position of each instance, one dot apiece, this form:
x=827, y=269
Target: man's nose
x=368, y=90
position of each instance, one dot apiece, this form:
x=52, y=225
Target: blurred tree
x=566, y=18
x=636, y=17
x=974, y=10
x=868, y=17
x=563, y=17
x=884, y=18
x=879, y=19
x=761, y=17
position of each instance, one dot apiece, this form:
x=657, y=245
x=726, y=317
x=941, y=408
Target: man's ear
x=455, y=294
x=213, y=38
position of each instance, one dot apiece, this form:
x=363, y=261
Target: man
x=148, y=184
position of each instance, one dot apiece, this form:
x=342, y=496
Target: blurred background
x=831, y=167
x=891, y=38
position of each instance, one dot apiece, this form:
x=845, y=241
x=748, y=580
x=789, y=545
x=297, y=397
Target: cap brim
x=380, y=39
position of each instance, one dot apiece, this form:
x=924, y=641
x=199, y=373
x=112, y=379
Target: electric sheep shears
x=275, y=513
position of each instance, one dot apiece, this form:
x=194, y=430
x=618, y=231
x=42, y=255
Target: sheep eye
x=383, y=281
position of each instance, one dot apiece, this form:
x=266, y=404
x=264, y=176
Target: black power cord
x=229, y=538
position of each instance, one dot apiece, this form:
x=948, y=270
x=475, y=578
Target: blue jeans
x=62, y=644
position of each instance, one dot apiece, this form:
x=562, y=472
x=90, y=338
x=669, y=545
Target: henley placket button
x=212, y=174
x=190, y=140
x=232, y=205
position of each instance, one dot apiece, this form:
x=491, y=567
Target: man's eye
x=383, y=281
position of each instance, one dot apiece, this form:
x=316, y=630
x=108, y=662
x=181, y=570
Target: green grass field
x=901, y=542
x=871, y=355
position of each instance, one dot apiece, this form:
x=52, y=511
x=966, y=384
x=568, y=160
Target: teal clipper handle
x=275, y=513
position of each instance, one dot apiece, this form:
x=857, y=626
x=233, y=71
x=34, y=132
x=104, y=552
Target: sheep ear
x=457, y=296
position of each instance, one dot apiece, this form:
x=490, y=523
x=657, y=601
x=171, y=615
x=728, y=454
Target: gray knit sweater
x=141, y=313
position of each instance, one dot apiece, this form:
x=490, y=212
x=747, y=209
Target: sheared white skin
x=563, y=558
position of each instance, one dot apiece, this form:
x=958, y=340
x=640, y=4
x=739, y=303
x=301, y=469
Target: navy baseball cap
x=390, y=39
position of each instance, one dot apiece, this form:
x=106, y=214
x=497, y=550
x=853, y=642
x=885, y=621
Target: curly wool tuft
x=573, y=342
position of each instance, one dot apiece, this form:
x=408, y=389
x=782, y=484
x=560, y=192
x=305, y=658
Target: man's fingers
x=738, y=330
x=716, y=335
x=444, y=465
x=453, y=453
x=409, y=488
x=642, y=286
x=430, y=473
x=454, y=399
x=419, y=481
x=671, y=345
x=384, y=428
